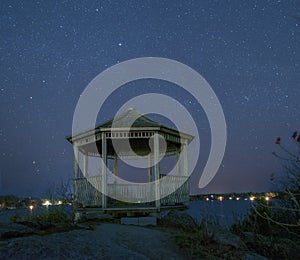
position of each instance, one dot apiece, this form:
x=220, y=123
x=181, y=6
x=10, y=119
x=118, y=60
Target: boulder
x=38, y=225
x=179, y=219
x=223, y=236
x=11, y=230
x=273, y=246
x=253, y=256
x=98, y=216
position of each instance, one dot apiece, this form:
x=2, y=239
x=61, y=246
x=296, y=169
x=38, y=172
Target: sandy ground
x=106, y=241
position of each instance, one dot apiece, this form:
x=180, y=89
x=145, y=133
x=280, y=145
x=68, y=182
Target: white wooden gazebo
x=95, y=191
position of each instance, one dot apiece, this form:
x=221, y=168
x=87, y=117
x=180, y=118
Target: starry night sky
x=248, y=51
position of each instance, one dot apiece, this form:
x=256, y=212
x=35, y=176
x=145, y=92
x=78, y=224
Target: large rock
x=37, y=225
x=280, y=247
x=223, y=236
x=179, y=219
x=226, y=238
x=98, y=216
x=253, y=256
x=11, y=230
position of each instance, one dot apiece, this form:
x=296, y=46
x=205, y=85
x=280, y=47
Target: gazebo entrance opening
x=143, y=141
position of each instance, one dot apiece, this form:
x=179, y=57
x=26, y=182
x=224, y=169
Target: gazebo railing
x=87, y=192
x=136, y=192
x=180, y=195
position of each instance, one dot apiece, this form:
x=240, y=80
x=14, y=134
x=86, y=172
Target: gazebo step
x=139, y=221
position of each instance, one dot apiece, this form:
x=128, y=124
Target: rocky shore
x=176, y=236
x=95, y=241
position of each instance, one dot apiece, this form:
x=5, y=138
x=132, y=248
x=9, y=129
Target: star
x=54, y=55
x=246, y=98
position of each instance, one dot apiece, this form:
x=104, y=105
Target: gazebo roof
x=133, y=121
x=124, y=119
x=129, y=125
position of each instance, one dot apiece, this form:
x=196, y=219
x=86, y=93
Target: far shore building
x=98, y=191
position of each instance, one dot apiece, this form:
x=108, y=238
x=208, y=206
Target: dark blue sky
x=248, y=51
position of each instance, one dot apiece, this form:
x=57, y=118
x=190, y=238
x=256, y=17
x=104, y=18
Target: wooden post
x=104, y=165
x=185, y=171
x=76, y=171
x=185, y=159
x=149, y=168
x=178, y=163
x=76, y=160
x=85, y=170
x=115, y=167
x=156, y=171
x=85, y=165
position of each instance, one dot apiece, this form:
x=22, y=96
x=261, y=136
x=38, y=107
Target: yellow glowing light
x=47, y=203
x=59, y=202
x=207, y=199
x=267, y=198
x=230, y=198
x=252, y=198
x=237, y=198
x=220, y=198
x=31, y=207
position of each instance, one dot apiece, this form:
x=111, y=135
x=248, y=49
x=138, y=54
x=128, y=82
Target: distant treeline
x=7, y=201
x=232, y=196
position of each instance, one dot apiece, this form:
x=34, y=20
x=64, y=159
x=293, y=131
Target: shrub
x=275, y=225
x=52, y=215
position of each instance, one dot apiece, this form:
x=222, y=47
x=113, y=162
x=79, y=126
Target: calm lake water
x=222, y=212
